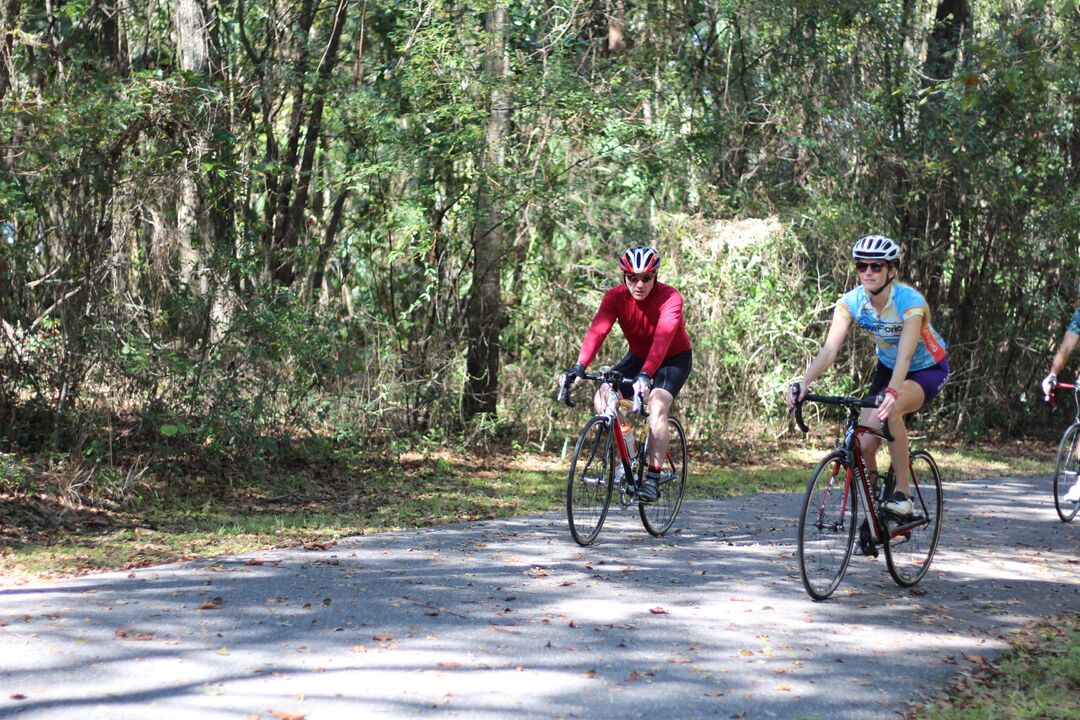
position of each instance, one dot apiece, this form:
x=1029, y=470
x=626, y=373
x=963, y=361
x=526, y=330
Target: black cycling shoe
x=650, y=489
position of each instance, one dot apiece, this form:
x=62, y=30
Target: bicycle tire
x=589, y=484
x=908, y=554
x=1065, y=473
x=658, y=516
x=827, y=527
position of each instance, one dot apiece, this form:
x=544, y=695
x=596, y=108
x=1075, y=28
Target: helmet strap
x=888, y=281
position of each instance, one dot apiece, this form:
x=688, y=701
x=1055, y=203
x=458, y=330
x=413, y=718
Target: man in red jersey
x=650, y=314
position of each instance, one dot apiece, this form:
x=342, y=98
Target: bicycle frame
x=855, y=469
x=610, y=414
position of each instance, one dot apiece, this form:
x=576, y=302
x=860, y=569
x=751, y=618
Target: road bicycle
x=1068, y=463
x=593, y=478
x=829, y=509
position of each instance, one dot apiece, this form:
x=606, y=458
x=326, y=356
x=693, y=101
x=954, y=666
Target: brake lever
x=885, y=425
x=798, y=408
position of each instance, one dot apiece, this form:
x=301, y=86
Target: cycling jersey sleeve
x=1074, y=324
x=849, y=304
x=667, y=326
x=912, y=304
x=601, y=326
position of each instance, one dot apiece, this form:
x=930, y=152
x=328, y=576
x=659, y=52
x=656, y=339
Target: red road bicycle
x=829, y=509
x=593, y=477
x=1068, y=462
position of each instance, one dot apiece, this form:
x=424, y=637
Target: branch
x=79, y=30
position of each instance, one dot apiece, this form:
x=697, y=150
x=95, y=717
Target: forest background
x=241, y=231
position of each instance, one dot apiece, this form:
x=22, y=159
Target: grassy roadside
x=1037, y=677
x=186, y=516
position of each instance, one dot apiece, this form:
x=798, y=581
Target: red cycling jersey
x=654, y=327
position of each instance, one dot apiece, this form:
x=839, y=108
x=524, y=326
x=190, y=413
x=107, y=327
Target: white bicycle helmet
x=640, y=259
x=876, y=247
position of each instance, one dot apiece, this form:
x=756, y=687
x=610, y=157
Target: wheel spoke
x=912, y=543
x=826, y=527
x=589, y=485
x=658, y=516
x=1067, y=473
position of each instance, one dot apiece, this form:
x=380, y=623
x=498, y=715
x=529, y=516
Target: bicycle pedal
x=900, y=539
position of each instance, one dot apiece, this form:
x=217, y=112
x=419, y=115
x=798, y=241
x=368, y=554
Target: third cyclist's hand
x=1048, y=384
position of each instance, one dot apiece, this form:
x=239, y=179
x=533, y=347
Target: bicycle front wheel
x=588, y=487
x=826, y=527
x=1066, y=474
x=657, y=517
x=913, y=541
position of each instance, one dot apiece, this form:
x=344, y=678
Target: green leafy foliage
x=220, y=262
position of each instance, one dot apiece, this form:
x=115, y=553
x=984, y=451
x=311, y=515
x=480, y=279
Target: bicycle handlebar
x=1051, y=399
x=606, y=375
x=847, y=401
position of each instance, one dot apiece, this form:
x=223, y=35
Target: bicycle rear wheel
x=1065, y=474
x=657, y=517
x=588, y=487
x=913, y=541
x=826, y=527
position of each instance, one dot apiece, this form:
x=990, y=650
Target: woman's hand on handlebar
x=885, y=405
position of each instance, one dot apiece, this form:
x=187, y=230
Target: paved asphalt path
x=510, y=619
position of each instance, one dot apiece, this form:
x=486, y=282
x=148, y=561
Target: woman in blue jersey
x=912, y=366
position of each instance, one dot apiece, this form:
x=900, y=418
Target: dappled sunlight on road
x=510, y=617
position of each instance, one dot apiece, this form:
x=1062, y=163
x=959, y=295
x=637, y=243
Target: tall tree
x=485, y=317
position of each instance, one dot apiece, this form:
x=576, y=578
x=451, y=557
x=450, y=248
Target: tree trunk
x=616, y=34
x=485, y=312
x=291, y=192
x=9, y=17
x=203, y=226
x=943, y=46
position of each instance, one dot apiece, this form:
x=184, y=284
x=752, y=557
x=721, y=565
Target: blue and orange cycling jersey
x=904, y=302
x=1074, y=324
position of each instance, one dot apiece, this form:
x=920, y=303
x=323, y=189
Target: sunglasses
x=632, y=278
x=872, y=267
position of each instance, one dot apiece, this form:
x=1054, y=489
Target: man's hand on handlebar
x=567, y=381
x=642, y=386
x=571, y=375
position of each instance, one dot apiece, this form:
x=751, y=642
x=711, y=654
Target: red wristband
x=890, y=391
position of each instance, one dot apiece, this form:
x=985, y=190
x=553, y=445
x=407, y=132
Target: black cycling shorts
x=671, y=375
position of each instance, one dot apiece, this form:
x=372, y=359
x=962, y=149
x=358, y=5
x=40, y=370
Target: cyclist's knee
x=659, y=406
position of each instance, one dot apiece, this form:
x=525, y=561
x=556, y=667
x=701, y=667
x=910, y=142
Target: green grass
x=200, y=518
x=1038, y=677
